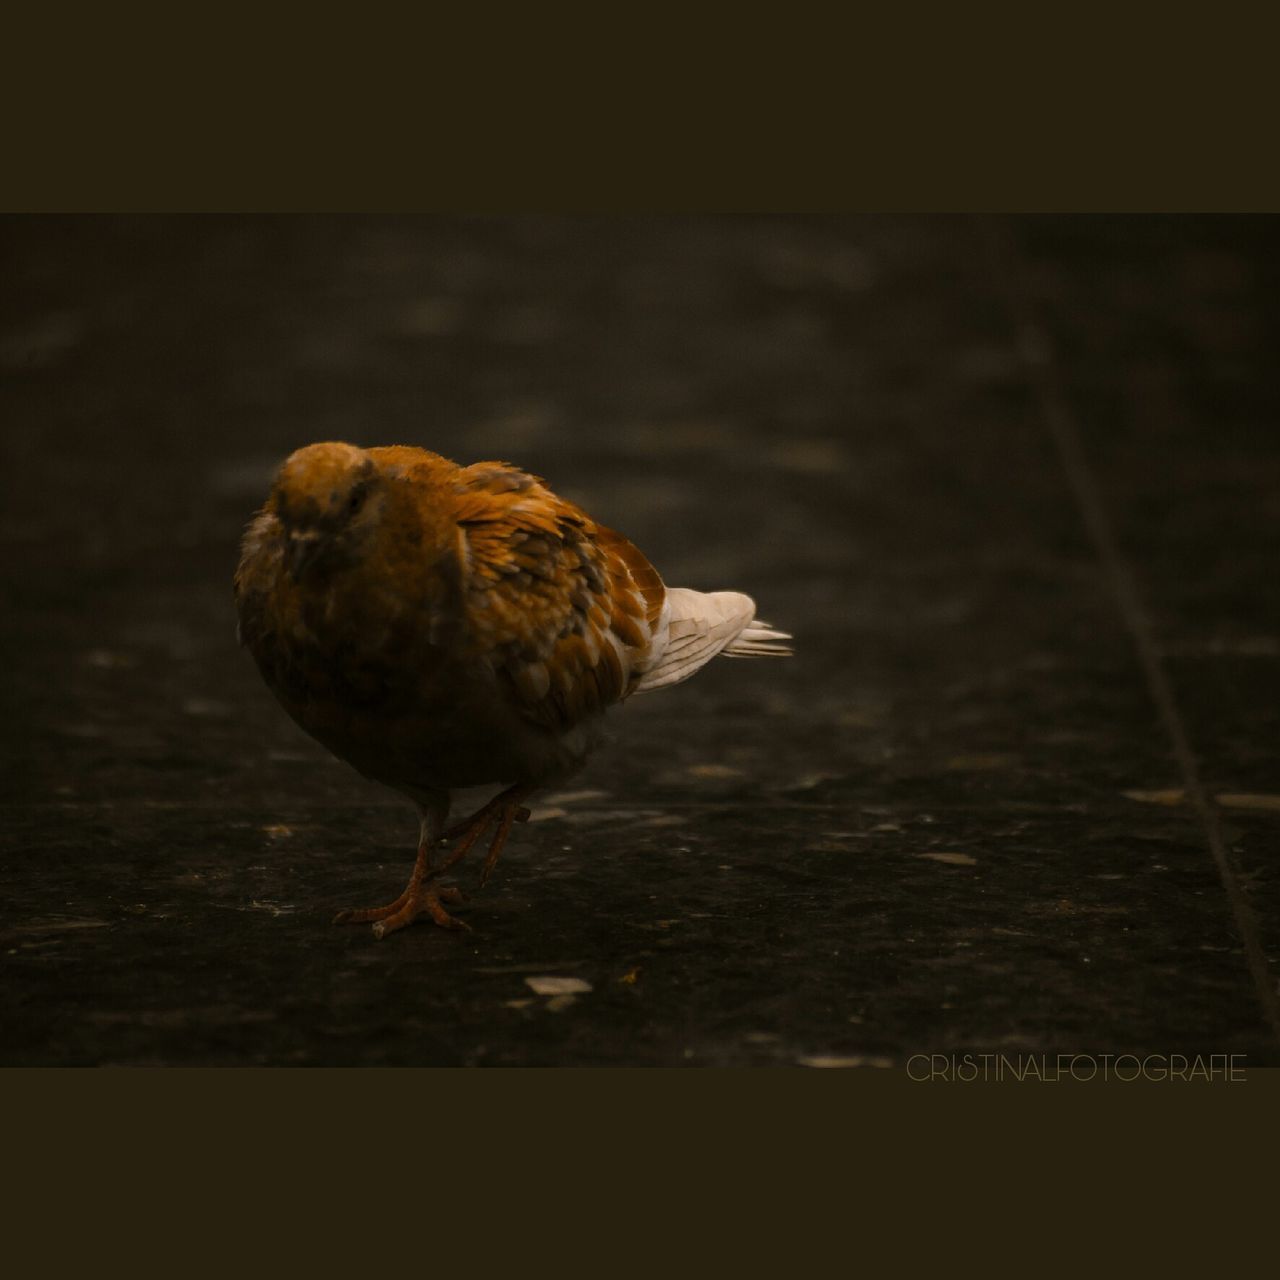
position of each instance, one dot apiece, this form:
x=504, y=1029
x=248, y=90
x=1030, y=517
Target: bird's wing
x=565, y=609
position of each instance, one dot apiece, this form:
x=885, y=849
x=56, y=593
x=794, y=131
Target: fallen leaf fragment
x=1269, y=804
x=1175, y=795
x=981, y=762
x=714, y=771
x=827, y=1060
x=552, y=986
x=547, y=812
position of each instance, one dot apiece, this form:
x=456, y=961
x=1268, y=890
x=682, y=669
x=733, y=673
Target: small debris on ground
x=554, y=986
x=831, y=1060
x=1173, y=796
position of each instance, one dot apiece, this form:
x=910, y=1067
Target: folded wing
x=565, y=609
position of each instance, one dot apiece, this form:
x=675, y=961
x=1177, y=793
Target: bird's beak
x=299, y=552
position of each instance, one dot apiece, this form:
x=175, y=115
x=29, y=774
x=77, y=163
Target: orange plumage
x=440, y=627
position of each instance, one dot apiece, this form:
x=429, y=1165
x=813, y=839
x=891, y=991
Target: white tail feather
x=760, y=640
x=699, y=625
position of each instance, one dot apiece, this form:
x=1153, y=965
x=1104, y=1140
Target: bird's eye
x=356, y=502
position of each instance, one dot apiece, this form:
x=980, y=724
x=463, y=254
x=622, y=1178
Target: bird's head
x=329, y=499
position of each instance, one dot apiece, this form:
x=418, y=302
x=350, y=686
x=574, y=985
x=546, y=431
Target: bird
x=441, y=627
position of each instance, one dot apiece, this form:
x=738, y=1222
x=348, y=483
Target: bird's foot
x=424, y=897
x=424, y=893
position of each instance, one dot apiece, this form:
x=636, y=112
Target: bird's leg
x=506, y=807
x=511, y=796
x=510, y=814
x=423, y=893
x=420, y=894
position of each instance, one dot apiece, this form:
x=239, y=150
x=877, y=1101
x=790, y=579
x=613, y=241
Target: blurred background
x=953, y=822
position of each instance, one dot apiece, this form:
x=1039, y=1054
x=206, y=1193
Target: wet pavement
x=1014, y=486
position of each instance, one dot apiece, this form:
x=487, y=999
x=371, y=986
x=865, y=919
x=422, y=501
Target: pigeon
x=441, y=627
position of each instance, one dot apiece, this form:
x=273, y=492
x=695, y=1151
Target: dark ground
x=951, y=823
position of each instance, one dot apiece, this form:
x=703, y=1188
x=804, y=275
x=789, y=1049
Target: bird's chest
x=385, y=683
x=334, y=650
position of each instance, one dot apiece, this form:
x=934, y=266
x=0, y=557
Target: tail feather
x=700, y=625
x=759, y=640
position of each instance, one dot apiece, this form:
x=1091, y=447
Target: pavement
x=1013, y=484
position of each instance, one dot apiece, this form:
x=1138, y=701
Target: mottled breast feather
x=564, y=608
x=348, y=641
